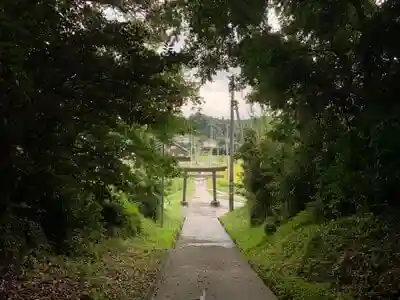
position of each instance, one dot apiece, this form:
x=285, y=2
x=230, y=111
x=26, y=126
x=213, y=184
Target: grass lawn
x=223, y=183
x=116, y=268
x=279, y=257
x=214, y=159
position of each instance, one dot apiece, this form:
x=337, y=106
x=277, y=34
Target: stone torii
x=212, y=170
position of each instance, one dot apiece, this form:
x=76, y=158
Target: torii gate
x=212, y=170
x=198, y=169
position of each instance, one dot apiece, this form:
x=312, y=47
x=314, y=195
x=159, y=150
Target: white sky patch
x=215, y=94
x=114, y=14
x=216, y=99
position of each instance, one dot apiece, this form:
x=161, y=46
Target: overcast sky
x=216, y=100
x=215, y=94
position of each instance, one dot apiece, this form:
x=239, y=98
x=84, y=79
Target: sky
x=215, y=94
x=216, y=99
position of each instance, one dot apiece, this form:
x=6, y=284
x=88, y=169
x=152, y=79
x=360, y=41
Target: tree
x=321, y=70
x=331, y=72
x=80, y=95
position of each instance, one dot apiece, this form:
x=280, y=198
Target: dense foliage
x=331, y=75
x=220, y=127
x=331, y=72
x=85, y=96
x=206, y=127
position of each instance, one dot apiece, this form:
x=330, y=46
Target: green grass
x=223, y=183
x=282, y=257
x=163, y=238
x=175, y=186
x=116, y=268
x=220, y=187
x=204, y=159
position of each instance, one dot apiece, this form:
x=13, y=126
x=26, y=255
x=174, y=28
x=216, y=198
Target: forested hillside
x=201, y=125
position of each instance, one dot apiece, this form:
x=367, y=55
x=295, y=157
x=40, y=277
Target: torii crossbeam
x=198, y=169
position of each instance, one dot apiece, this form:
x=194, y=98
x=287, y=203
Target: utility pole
x=231, y=140
x=210, y=153
x=218, y=152
x=226, y=140
x=239, y=123
x=191, y=146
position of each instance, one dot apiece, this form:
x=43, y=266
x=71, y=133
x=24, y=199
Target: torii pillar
x=212, y=170
x=214, y=202
x=184, y=202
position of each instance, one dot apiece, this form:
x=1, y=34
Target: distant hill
x=208, y=130
x=202, y=124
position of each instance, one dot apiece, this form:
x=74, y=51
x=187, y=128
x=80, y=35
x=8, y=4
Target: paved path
x=206, y=259
x=225, y=196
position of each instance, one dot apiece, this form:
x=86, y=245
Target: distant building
x=210, y=144
x=178, y=149
x=184, y=140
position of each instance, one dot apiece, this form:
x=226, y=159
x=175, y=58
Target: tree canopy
x=84, y=95
x=332, y=68
x=330, y=74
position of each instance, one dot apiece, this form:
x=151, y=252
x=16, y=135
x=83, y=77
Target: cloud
x=216, y=94
x=216, y=99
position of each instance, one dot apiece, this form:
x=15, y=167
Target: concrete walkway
x=225, y=196
x=206, y=259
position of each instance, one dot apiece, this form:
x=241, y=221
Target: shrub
x=121, y=215
x=270, y=226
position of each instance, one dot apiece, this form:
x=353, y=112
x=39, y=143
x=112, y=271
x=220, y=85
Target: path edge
x=250, y=263
x=162, y=265
x=240, y=250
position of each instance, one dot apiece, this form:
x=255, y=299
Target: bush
x=270, y=226
x=19, y=236
x=71, y=124
x=122, y=216
x=148, y=207
x=355, y=256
